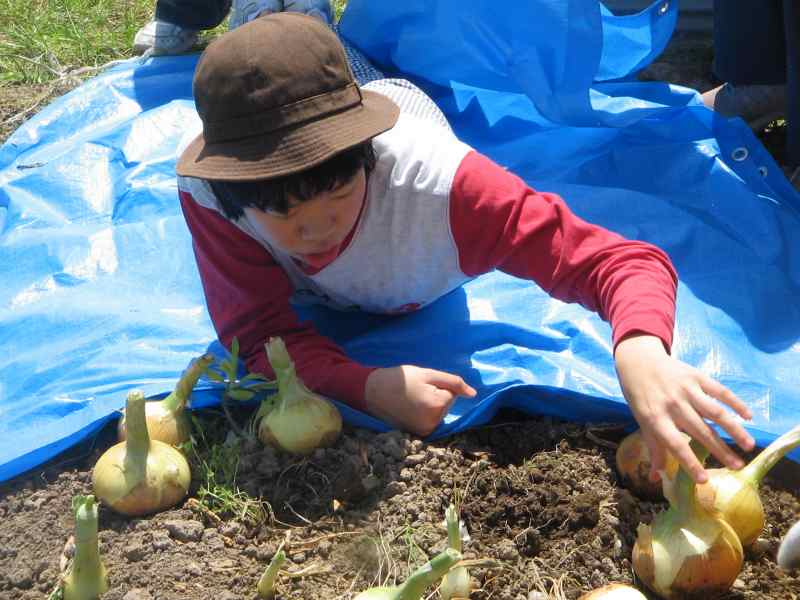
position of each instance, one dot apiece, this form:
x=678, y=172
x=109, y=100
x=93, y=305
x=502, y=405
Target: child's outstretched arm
x=499, y=222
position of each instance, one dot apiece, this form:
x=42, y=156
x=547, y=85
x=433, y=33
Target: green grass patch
x=41, y=40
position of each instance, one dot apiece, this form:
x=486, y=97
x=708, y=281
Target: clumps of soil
x=540, y=498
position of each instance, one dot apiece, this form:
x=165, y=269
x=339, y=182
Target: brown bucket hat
x=276, y=96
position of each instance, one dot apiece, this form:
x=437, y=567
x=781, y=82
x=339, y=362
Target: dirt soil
x=539, y=497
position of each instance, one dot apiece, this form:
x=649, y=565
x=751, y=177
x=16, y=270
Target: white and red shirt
x=436, y=214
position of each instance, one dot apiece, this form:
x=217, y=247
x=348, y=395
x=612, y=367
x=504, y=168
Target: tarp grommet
x=739, y=154
x=662, y=10
x=763, y=171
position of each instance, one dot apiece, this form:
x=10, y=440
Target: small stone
x=507, y=550
x=185, y=531
x=415, y=459
x=393, y=488
x=193, y=569
x=407, y=474
x=535, y=595
x=324, y=548
x=21, y=578
x=227, y=595
x=137, y=594
x=135, y=552
x=162, y=542
x=739, y=584
x=299, y=558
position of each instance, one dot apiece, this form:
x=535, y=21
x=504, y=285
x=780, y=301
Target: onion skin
x=735, y=493
x=167, y=420
x=633, y=466
x=688, y=552
x=614, y=591
x=789, y=550
x=299, y=421
x=456, y=584
x=140, y=476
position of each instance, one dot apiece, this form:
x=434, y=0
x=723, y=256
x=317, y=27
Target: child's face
x=313, y=230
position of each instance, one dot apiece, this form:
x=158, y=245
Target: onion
x=735, y=493
x=87, y=578
x=266, y=584
x=789, y=550
x=295, y=420
x=688, y=551
x=614, y=591
x=166, y=419
x=140, y=476
x=417, y=582
x=456, y=585
x=633, y=466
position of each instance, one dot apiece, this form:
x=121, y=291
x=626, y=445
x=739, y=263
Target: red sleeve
x=247, y=294
x=499, y=222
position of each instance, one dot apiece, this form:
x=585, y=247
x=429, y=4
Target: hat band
x=307, y=109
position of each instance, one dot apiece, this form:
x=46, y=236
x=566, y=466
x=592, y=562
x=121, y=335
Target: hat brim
x=289, y=150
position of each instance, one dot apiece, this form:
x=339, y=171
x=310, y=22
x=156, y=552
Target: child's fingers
x=677, y=444
x=716, y=390
x=699, y=430
x=450, y=382
x=709, y=408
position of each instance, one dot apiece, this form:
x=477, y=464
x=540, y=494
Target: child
x=305, y=187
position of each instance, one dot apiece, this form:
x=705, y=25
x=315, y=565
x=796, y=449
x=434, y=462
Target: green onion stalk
x=140, y=476
x=87, y=578
x=456, y=584
x=167, y=420
x=266, y=584
x=414, y=587
x=688, y=551
x=295, y=420
x=735, y=493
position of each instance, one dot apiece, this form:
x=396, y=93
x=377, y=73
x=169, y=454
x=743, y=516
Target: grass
x=42, y=40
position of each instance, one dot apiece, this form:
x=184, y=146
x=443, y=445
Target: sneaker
x=757, y=104
x=245, y=11
x=160, y=37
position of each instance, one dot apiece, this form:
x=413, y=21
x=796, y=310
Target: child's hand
x=412, y=398
x=668, y=396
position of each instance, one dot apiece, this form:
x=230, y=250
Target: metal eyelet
x=739, y=154
x=763, y=171
x=662, y=10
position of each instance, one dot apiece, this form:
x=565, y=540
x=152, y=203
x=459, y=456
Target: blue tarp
x=101, y=294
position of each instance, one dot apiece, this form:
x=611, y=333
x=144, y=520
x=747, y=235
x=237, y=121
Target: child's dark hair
x=273, y=194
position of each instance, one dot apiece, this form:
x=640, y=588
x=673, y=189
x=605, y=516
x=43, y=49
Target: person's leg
x=193, y=14
x=176, y=23
x=245, y=11
x=791, y=23
x=750, y=56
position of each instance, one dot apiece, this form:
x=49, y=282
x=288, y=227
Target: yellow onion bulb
x=167, y=420
x=295, y=420
x=163, y=425
x=737, y=501
x=734, y=494
x=633, y=466
x=140, y=476
x=614, y=591
x=688, y=551
x=302, y=425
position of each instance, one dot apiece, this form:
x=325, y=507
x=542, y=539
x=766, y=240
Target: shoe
x=757, y=104
x=245, y=11
x=160, y=37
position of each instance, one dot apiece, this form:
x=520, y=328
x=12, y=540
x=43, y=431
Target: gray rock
x=21, y=578
x=185, y=531
x=135, y=552
x=162, y=542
